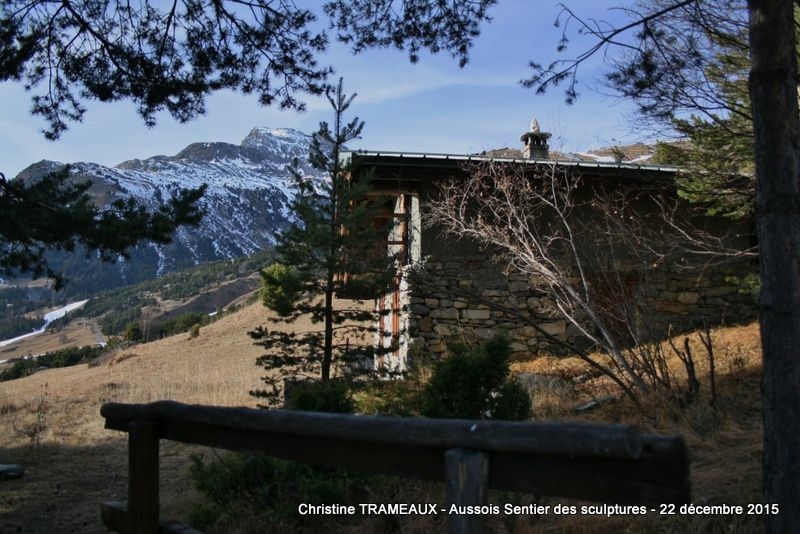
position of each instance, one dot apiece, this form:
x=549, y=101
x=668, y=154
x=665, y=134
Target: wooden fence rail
x=602, y=463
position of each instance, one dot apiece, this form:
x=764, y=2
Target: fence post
x=143, y=503
x=466, y=483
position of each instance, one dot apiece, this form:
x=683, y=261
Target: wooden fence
x=602, y=463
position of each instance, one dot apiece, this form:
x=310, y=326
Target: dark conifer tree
x=169, y=56
x=334, y=249
x=718, y=159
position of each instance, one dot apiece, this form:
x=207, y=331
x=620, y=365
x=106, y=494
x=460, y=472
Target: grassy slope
x=79, y=463
x=725, y=442
x=78, y=333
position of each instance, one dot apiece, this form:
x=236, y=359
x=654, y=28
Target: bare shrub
x=122, y=357
x=194, y=331
x=8, y=408
x=41, y=422
x=589, y=250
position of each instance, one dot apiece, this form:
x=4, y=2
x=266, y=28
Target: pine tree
x=169, y=56
x=334, y=248
x=691, y=75
x=718, y=159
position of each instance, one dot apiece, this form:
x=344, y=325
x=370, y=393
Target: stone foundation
x=449, y=302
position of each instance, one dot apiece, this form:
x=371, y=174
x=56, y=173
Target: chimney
x=535, y=142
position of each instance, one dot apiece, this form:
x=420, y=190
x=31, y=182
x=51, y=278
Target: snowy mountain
x=246, y=202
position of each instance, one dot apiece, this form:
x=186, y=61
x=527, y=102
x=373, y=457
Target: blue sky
x=432, y=106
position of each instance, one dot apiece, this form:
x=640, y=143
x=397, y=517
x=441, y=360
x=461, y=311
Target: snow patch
x=600, y=159
x=644, y=157
x=48, y=318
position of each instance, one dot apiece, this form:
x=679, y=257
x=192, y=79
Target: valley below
x=77, y=463
x=78, y=333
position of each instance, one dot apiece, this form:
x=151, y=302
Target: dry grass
x=724, y=441
x=79, y=464
x=216, y=367
x=83, y=463
x=76, y=334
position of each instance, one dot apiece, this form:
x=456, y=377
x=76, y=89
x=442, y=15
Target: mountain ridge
x=246, y=200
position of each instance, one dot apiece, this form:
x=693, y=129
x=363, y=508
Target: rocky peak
x=33, y=172
x=278, y=144
x=246, y=201
x=205, y=152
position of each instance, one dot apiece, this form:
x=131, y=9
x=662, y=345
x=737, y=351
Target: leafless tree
x=581, y=246
x=527, y=220
x=669, y=230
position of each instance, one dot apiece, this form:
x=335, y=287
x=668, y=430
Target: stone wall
x=447, y=302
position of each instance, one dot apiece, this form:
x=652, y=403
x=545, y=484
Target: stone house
x=462, y=279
